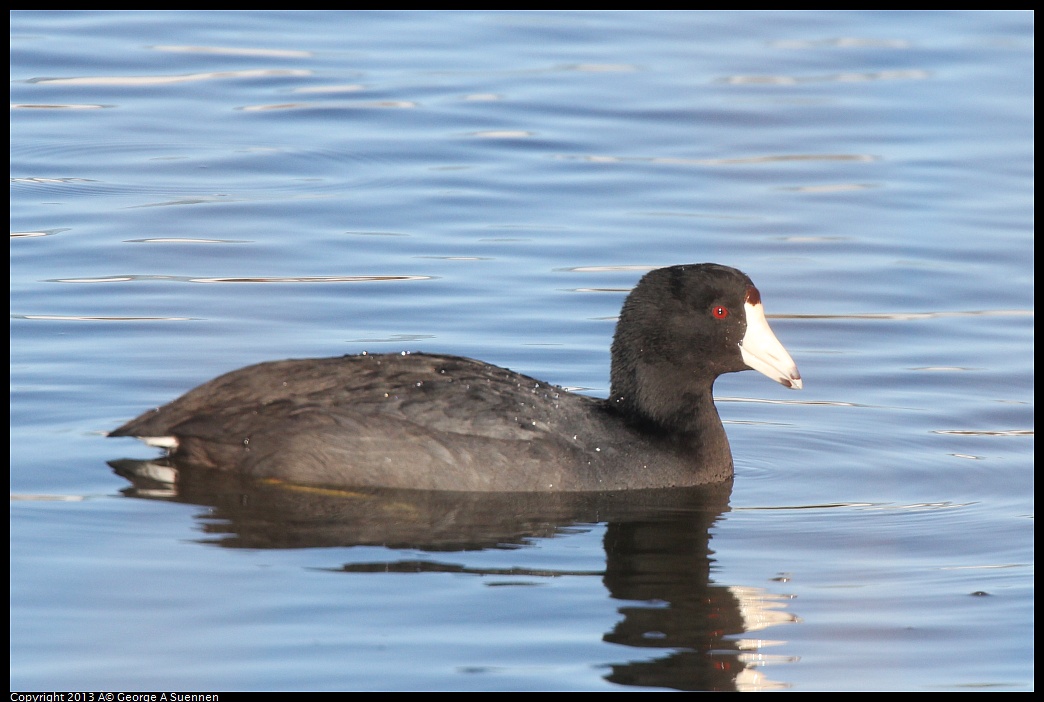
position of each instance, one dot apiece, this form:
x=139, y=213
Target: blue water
x=194, y=192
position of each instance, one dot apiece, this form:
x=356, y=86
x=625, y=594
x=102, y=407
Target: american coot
x=423, y=421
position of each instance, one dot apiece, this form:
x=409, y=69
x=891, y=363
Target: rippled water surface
x=191, y=193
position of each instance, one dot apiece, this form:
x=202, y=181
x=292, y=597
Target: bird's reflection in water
x=657, y=554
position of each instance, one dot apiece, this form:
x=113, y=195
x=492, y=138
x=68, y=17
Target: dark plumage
x=450, y=423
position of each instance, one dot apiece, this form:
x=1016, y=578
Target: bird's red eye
x=719, y=312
